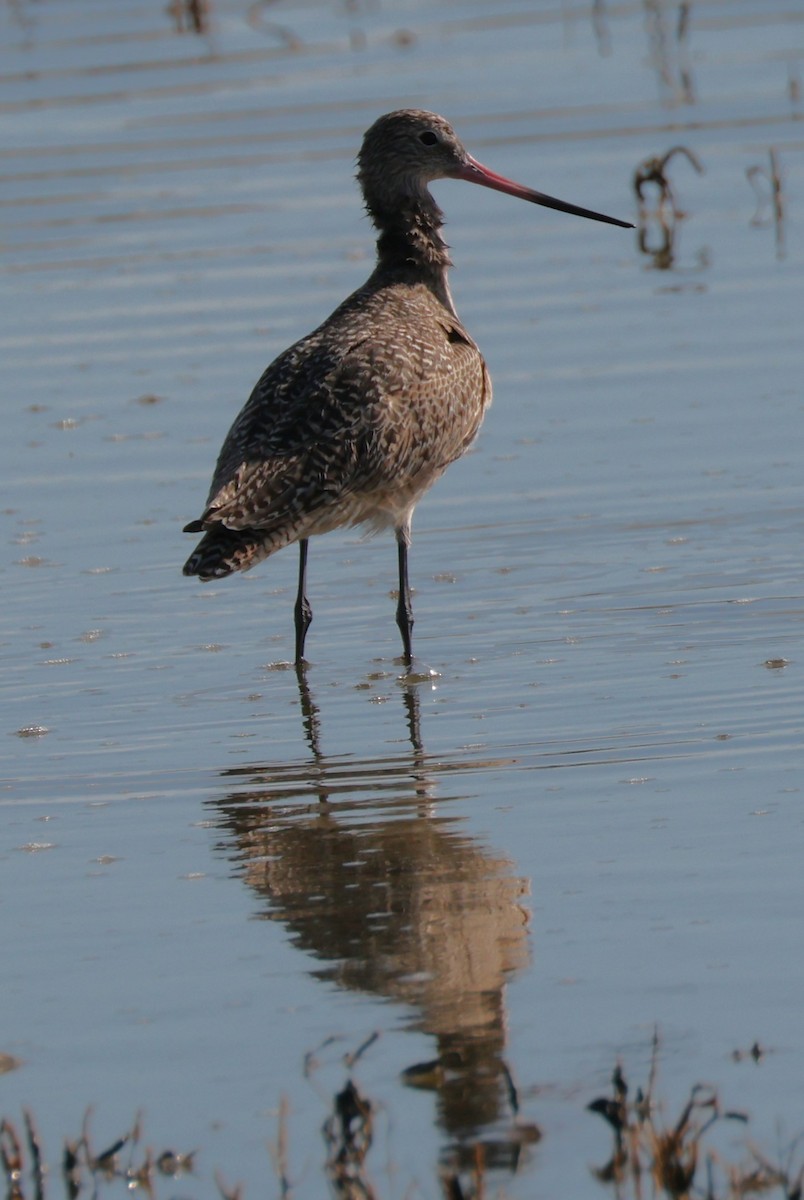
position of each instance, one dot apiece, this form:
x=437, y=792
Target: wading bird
x=352, y=424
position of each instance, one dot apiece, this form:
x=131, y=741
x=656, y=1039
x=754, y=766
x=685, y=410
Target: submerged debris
x=756, y=1052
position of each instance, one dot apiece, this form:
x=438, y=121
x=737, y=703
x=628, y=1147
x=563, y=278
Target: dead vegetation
x=655, y=1158
x=652, y=1158
x=82, y=1169
x=659, y=215
x=654, y=171
x=767, y=185
x=190, y=16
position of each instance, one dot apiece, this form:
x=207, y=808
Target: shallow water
x=586, y=821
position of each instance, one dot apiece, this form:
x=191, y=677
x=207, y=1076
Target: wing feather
x=346, y=410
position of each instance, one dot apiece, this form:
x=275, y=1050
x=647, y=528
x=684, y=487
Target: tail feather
x=223, y=551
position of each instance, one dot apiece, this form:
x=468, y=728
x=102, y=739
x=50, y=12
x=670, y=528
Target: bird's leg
x=404, y=608
x=302, y=613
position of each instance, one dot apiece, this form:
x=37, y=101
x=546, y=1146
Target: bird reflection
x=389, y=897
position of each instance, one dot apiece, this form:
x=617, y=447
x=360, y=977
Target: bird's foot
x=415, y=671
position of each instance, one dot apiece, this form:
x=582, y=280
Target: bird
x=353, y=423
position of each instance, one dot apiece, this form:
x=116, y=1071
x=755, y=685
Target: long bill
x=474, y=172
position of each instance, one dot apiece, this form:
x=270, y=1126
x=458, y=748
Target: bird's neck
x=410, y=246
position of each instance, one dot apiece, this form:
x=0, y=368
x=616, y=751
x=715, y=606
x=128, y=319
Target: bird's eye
x=428, y=137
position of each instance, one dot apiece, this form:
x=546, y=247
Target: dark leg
x=303, y=613
x=404, y=608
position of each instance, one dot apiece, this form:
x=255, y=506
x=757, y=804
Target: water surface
x=587, y=821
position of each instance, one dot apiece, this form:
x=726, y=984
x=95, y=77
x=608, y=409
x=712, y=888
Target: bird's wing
x=332, y=416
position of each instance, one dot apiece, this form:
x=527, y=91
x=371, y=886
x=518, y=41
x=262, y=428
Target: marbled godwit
x=353, y=423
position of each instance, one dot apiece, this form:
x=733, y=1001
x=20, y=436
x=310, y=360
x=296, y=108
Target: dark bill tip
x=474, y=172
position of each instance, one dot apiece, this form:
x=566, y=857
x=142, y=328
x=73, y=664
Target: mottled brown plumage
x=352, y=424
